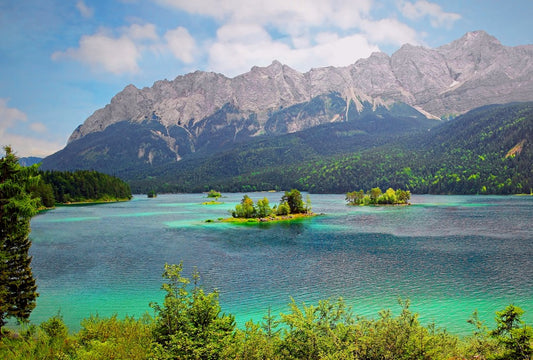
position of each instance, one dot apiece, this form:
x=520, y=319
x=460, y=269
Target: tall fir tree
x=17, y=284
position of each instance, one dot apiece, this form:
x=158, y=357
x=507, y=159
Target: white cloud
x=84, y=10
x=120, y=53
x=256, y=32
x=117, y=55
x=9, y=116
x=291, y=16
x=23, y=145
x=181, y=44
x=423, y=8
x=38, y=127
x=238, y=47
x=142, y=32
x=390, y=31
x=31, y=146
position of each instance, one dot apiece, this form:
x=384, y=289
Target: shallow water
x=449, y=255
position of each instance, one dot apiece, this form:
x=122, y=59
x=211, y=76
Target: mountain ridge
x=412, y=75
x=204, y=112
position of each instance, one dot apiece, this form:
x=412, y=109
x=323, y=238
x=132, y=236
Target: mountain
x=195, y=116
x=29, y=161
x=485, y=151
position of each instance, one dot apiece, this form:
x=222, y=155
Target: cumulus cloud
x=238, y=47
x=291, y=16
x=256, y=32
x=84, y=10
x=113, y=54
x=300, y=33
x=120, y=53
x=423, y=8
x=31, y=146
x=23, y=145
x=390, y=31
x=181, y=44
x=9, y=116
x=38, y=127
x=141, y=32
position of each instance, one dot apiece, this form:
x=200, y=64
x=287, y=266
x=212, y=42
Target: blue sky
x=60, y=60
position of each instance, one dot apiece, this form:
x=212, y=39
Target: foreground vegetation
x=18, y=291
x=189, y=324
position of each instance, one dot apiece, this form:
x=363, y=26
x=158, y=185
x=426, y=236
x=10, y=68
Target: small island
x=291, y=207
x=214, y=196
x=376, y=197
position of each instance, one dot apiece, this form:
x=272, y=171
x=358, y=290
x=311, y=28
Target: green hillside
x=487, y=150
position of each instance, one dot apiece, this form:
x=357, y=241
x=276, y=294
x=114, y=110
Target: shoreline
x=82, y=203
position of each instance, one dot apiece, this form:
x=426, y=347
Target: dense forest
x=63, y=187
x=486, y=151
x=190, y=324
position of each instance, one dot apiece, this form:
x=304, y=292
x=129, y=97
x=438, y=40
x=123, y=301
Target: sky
x=61, y=60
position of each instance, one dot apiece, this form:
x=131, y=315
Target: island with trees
x=213, y=197
x=291, y=207
x=376, y=197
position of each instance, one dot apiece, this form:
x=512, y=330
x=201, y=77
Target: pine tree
x=17, y=284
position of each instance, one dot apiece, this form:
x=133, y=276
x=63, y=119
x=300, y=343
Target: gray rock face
x=472, y=71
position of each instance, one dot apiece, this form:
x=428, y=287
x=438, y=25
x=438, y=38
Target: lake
x=449, y=255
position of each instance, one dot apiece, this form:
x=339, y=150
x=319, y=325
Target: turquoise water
x=449, y=255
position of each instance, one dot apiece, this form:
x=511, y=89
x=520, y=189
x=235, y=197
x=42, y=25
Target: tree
x=374, y=195
x=389, y=197
x=263, y=208
x=513, y=334
x=283, y=209
x=403, y=196
x=213, y=194
x=294, y=199
x=17, y=284
x=189, y=325
x=355, y=197
x=245, y=209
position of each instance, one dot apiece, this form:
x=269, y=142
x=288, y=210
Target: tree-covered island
x=376, y=197
x=213, y=195
x=291, y=206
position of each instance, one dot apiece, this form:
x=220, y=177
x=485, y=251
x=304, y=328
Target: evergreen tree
x=17, y=285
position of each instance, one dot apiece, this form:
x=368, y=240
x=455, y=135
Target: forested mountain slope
x=487, y=150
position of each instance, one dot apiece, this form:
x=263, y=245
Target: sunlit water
x=449, y=255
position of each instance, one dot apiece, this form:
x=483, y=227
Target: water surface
x=449, y=255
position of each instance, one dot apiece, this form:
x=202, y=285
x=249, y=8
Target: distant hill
x=29, y=161
x=174, y=126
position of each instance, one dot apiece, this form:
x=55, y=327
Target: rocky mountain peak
x=472, y=71
x=476, y=38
